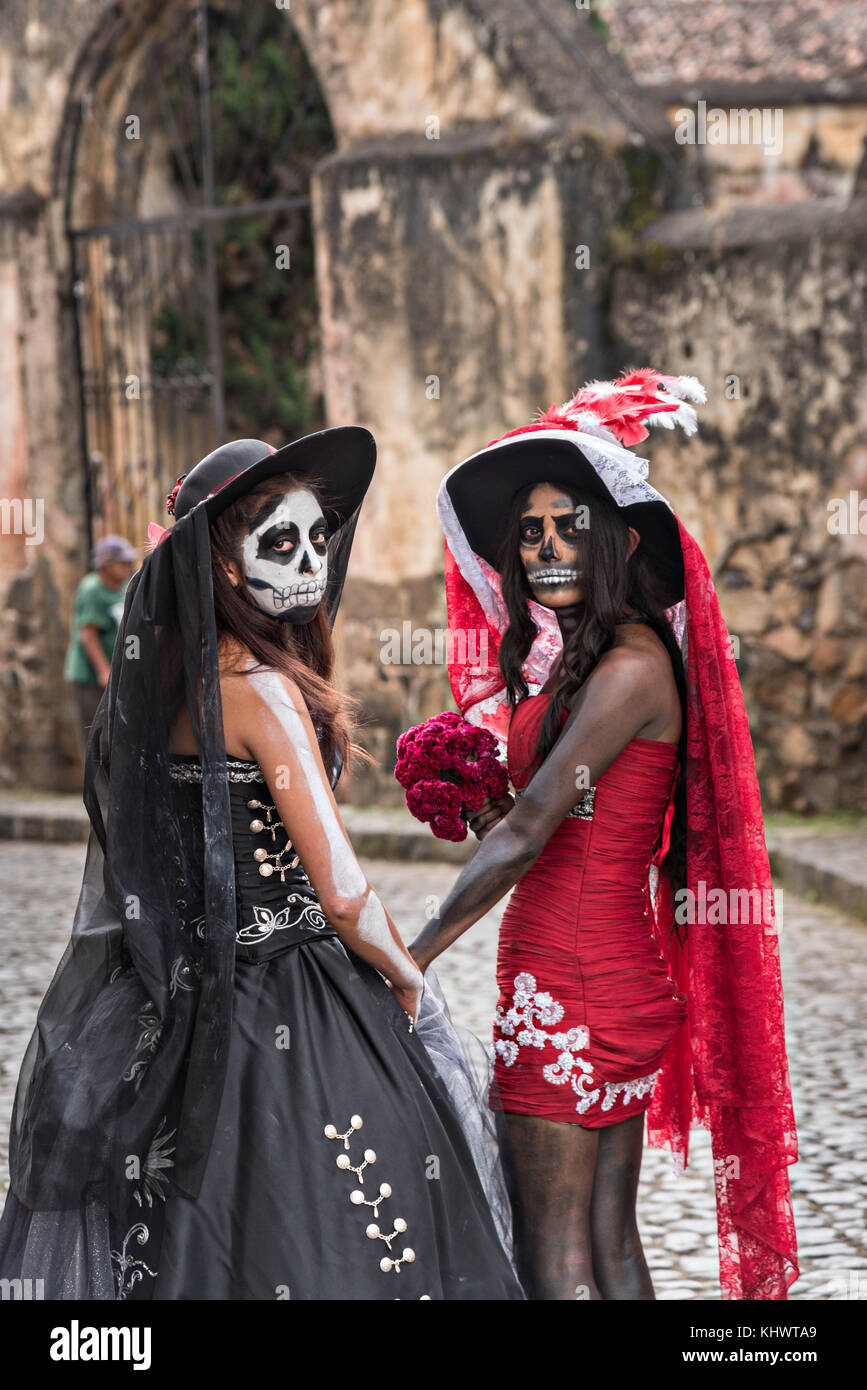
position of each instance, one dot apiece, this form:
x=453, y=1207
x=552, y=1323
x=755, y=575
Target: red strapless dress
x=586, y=1008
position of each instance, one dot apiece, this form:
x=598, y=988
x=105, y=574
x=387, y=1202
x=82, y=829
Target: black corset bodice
x=276, y=904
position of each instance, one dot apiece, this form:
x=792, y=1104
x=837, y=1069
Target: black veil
x=131, y=1038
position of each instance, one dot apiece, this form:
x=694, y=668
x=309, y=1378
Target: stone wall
x=767, y=312
x=41, y=468
x=451, y=309
x=440, y=253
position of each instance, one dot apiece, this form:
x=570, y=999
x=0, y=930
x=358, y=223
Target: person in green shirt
x=95, y=620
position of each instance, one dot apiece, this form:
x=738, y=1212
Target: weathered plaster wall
x=440, y=249
x=781, y=311
x=446, y=269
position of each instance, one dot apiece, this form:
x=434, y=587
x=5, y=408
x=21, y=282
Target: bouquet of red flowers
x=447, y=767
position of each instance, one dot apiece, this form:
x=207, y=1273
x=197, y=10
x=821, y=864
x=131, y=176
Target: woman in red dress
x=563, y=558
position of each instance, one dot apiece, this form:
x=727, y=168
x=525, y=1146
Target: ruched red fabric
x=587, y=1008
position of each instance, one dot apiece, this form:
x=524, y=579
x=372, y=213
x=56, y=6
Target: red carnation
x=447, y=767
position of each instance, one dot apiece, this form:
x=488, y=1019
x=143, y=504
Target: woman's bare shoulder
x=248, y=687
x=641, y=640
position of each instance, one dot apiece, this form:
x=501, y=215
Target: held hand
x=409, y=997
x=418, y=955
x=490, y=814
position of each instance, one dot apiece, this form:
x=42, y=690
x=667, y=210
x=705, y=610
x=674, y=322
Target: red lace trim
x=470, y=680
x=727, y=1068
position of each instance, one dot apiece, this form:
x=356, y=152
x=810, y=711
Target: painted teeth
x=554, y=576
x=300, y=592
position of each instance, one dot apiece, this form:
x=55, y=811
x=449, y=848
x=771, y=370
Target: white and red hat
x=580, y=444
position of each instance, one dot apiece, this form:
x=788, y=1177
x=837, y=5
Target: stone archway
x=468, y=160
x=188, y=214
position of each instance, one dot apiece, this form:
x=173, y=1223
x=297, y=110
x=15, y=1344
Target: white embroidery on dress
x=183, y=974
x=129, y=1270
x=151, y=1025
x=520, y=1029
x=236, y=770
x=629, y=1090
x=267, y=921
x=154, y=1176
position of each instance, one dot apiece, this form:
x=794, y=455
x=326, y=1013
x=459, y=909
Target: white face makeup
x=284, y=556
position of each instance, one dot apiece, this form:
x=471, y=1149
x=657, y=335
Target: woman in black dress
x=227, y=1095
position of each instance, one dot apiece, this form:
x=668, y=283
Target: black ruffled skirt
x=349, y=1161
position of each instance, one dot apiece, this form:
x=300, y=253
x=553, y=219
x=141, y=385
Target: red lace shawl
x=727, y=1068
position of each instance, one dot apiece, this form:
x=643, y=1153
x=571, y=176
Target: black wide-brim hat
x=341, y=461
x=483, y=487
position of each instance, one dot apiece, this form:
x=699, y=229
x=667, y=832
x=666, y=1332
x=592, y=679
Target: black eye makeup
x=566, y=526
x=279, y=538
x=532, y=528
x=283, y=538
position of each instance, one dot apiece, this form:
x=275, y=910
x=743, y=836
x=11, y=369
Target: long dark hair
x=612, y=579
x=304, y=651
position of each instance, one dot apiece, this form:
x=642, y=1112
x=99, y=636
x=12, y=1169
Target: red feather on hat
x=625, y=407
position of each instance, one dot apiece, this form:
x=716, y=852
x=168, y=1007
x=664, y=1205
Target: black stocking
x=550, y=1167
x=618, y=1259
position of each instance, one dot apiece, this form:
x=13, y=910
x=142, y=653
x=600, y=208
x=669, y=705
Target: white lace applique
x=131, y=1271
x=520, y=1028
x=629, y=1090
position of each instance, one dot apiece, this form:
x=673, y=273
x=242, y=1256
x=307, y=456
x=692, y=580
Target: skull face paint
x=285, y=556
x=550, y=546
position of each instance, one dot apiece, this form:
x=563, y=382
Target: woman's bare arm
x=620, y=697
x=265, y=713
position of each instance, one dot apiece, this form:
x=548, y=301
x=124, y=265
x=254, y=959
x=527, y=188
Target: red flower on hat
x=172, y=497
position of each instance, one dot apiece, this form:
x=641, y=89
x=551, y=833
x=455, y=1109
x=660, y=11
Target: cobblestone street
x=825, y=973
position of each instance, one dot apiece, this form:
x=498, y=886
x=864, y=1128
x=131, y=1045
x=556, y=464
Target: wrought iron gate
x=150, y=367
x=147, y=311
